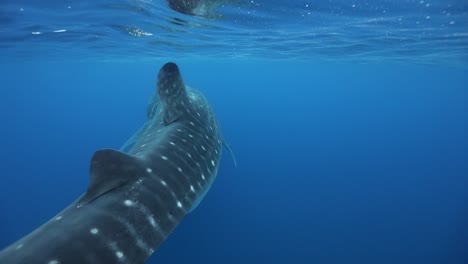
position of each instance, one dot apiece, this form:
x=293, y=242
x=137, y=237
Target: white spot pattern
x=94, y=231
x=152, y=221
x=128, y=203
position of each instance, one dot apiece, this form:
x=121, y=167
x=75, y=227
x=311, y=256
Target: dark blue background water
x=338, y=161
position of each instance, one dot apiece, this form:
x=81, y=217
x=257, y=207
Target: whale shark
x=135, y=198
x=201, y=8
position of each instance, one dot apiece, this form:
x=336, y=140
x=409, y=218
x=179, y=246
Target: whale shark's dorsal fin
x=110, y=169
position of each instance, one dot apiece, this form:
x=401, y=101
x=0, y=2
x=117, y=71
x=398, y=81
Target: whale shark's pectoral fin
x=110, y=169
x=133, y=139
x=233, y=156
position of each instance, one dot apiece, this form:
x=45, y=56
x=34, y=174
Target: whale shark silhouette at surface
x=202, y=8
x=135, y=199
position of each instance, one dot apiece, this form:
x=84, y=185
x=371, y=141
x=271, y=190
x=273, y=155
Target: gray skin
x=135, y=199
x=202, y=8
x=183, y=6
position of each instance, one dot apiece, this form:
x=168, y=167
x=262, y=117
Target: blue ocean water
x=348, y=120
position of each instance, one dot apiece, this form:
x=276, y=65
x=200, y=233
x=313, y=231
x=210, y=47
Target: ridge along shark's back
x=135, y=199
